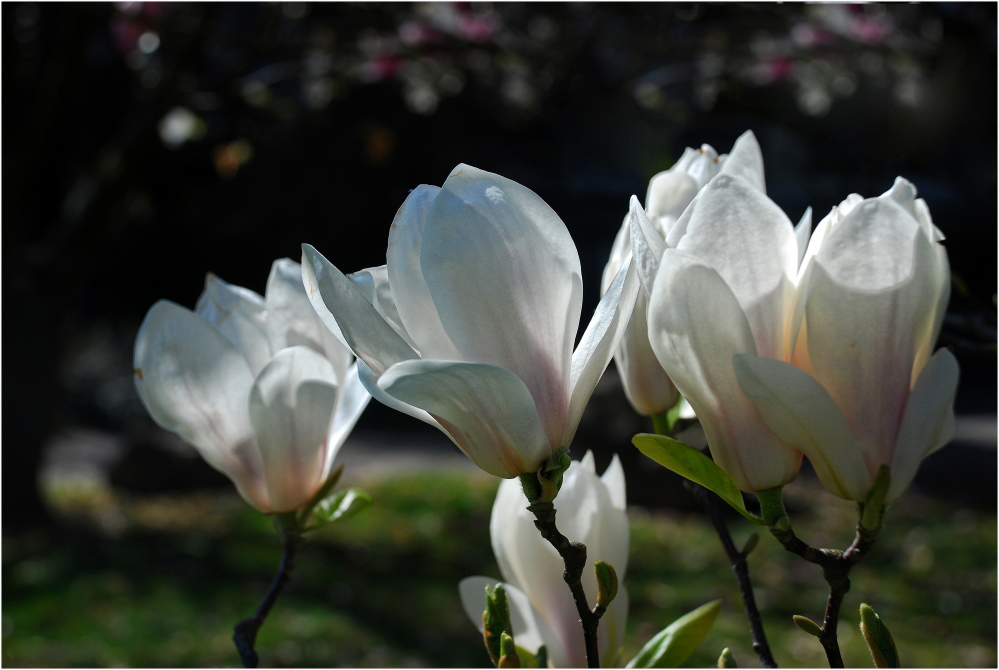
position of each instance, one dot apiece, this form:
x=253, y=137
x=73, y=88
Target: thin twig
x=836, y=566
x=574, y=556
x=709, y=501
x=245, y=632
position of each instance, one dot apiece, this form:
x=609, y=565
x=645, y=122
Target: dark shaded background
x=146, y=144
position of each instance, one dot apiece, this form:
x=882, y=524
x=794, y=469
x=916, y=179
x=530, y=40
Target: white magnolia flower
x=647, y=386
x=864, y=389
x=470, y=324
x=723, y=283
x=259, y=386
x=590, y=510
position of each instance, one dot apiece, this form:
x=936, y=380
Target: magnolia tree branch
x=574, y=556
x=836, y=566
x=709, y=501
x=245, y=632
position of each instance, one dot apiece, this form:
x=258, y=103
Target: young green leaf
x=527, y=659
x=688, y=462
x=337, y=506
x=727, y=660
x=675, y=643
x=807, y=625
x=878, y=639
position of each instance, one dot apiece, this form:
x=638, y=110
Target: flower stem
x=836, y=566
x=709, y=501
x=574, y=556
x=245, y=632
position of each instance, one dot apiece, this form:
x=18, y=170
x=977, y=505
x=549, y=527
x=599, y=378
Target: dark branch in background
x=245, y=632
x=709, y=501
x=836, y=566
x=574, y=556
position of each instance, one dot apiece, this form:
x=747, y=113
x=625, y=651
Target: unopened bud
x=807, y=625
x=495, y=621
x=606, y=583
x=727, y=660
x=878, y=639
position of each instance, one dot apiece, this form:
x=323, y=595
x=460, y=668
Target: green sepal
x=527, y=659
x=727, y=660
x=323, y=491
x=690, y=463
x=772, y=509
x=807, y=625
x=509, y=658
x=337, y=507
x=544, y=485
x=873, y=509
x=878, y=639
x=495, y=621
x=675, y=643
x=665, y=422
x=606, y=583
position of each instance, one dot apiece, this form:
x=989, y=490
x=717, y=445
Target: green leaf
x=323, y=491
x=878, y=639
x=690, y=463
x=338, y=506
x=675, y=643
x=807, y=625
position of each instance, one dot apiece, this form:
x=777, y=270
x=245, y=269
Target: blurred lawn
x=159, y=581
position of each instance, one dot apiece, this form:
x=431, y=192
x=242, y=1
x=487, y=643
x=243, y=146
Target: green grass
x=166, y=579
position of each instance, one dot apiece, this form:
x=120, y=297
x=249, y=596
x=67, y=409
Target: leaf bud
x=807, y=625
x=727, y=660
x=606, y=583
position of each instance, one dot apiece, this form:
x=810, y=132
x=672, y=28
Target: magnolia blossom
x=590, y=510
x=470, y=324
x=864, y=389
x=647, y=386
x=721, y=283
x=258, y=385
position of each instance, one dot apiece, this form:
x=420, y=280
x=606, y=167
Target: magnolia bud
x=606, y=583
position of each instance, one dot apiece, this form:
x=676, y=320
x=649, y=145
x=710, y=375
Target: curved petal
x=646, y=385
x=369, y=379
x=292, y=321
x=801, y=233
x=669, y=194
x=796, y=407
x=239, y=314
x=748, y=240
x=867, y=306
x=195, y=383
x=596, y=348
x=352, y=398
x=746, y=161
x=613, y=479
x=344, y=310
x=486, y=410
x=620, y=250
x=527, y=626
x=505, y=277
x=373, y=283
x=695, y=327
x=647, y=245
x=412, y=297
x=925, y=423
x=291, y=408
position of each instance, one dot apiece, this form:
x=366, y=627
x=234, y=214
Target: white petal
x=239, y=314
x=373, y=283
x=352, y=398
x=599, y=342
x=194, y=382
x=292, y=321
x=796, y=407
x=343, y=309
x=748, y=240
x=412, y=297
x=523, y=619
x=940, y=280
x=646, y=385
x=613, y=479
x=801, y=233
x=486, y=410
x=613, y=627
x=669, y=194
x=370, y=382
x=620, y=250
x=925, y=423
x=505, y=277
x=871, y=299
x=746, y=161
x=695, y=327
x=291, y=408
x=647, y=245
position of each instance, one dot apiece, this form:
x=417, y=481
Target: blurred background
x=149, y=143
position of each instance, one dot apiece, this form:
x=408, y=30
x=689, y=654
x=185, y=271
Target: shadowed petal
x=239, y=314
